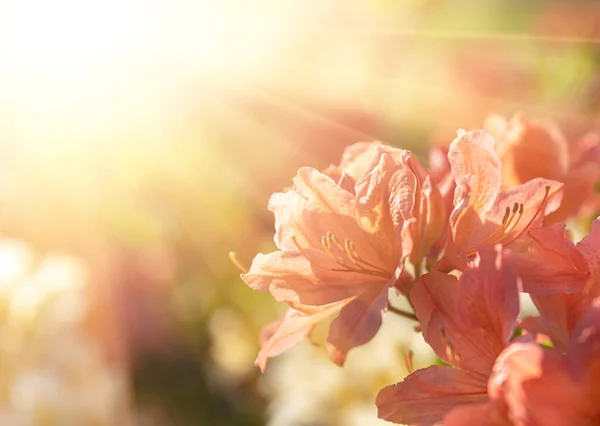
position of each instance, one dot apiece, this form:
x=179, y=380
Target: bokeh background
x=139, y=144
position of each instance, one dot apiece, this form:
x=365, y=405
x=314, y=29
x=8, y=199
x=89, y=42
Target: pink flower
x=483, y=214
x=343, y=244
x=532, y=148
x=468, y=322
x=555, y=265
x=540, y=386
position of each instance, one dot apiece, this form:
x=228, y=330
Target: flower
x=343, y=244
x=468, y=322
x=556, y=265
x=540, y=386
x=483, y=213
x=531, y=148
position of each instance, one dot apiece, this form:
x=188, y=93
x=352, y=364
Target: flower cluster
x=460, y=240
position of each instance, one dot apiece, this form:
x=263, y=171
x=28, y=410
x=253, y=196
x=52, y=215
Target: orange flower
x=541, y=386
x=343, y=244
x=483, y=214
x=468, y=322
x=555, y=265
x=531, y=148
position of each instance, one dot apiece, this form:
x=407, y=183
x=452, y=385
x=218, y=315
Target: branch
x=402, y=313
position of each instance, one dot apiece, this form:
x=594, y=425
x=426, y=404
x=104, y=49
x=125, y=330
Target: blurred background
x=139, y=144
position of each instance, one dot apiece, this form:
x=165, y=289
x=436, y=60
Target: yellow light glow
x=71, y=70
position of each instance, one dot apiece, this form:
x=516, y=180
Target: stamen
x=452, y=356
x=336, y=241
x=521, y=209
x=236, y=262
x=500, y=231
x=354, y=255
x=506, y=214
x=514, y=212
x=348, y=250
x=327, y=246
x=326, y=242
x=408, y=361
x=352, y=248
x=509, y=224
x=512, y=240
x=306, y=256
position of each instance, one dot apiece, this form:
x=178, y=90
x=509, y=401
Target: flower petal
x=375, y=186
x=590, y=248
x=553, y=263
x=322, y=192
x=357, y=158
x=584, y=348
x=472, y=157
x=579, y=187
x=488, y=296
x=332, y=210
x=533, y=149
x=435, y=218
x=536, y=204
x=347, y=182
x=281, y=335
x=559, y=314
x=357, y=323
x=289, y=276
x=402, y=187
x=534, y=383
x=427, y=395
x=287, y=208
x=355, y=161
x=468, y=322
x=483, y=414
x=583, y=360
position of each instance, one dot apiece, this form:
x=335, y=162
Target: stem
x=402, y=313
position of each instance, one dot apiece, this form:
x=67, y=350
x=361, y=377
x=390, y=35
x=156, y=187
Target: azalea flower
x=483, y=213
x=428, y=217
x=342, y=245
x=468, y=322
x=540, y=386
x=531, y=149
x=555, y=265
